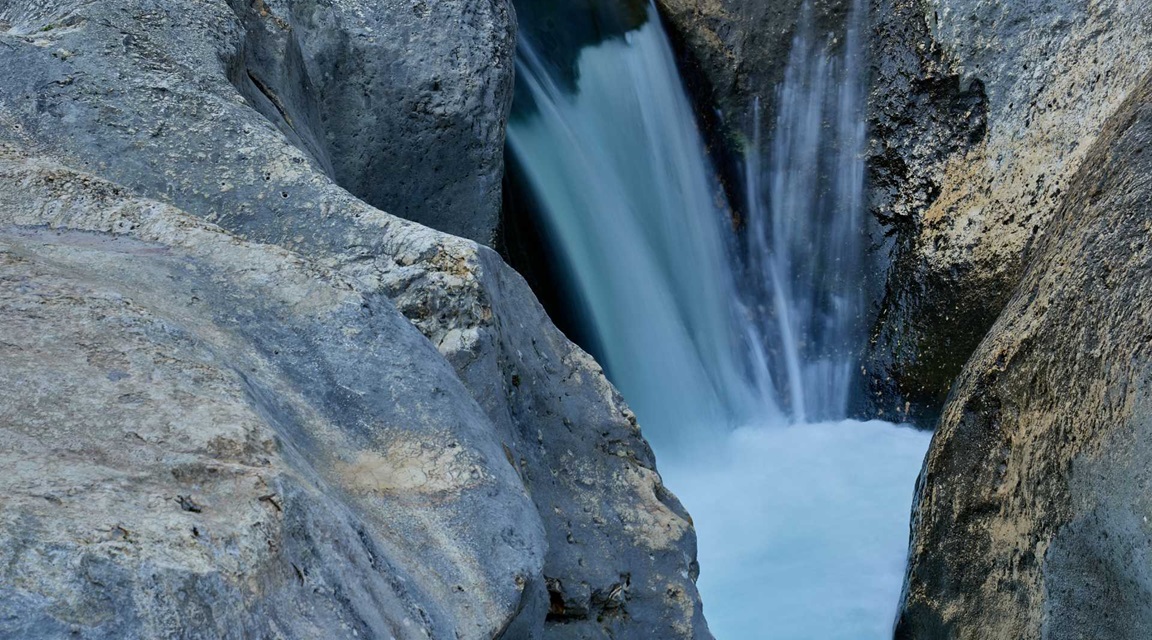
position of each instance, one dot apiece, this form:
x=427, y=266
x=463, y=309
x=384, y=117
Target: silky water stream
x=736, y=351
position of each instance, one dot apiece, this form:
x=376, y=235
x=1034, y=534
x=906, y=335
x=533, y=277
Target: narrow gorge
x=605, y=319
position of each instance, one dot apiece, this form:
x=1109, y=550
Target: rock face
x=735, y=50
x=982, y=113
x=213, y=438
x=408, y=116
x=372, y=426
x=404, y=106
x=922, y=113
x=1033, y=515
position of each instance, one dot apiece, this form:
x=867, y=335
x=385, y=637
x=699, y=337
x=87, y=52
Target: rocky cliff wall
x=402, y=106
x=982, y=113
x=487, y=478
x=1032, y=518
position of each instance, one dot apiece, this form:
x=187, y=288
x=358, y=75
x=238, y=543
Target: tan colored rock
x=982, y=112
x=1033, y=512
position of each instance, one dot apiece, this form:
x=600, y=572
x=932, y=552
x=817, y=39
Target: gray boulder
x=210, y=438
x=1033, y=513
x=402, y=105
x=152, y=101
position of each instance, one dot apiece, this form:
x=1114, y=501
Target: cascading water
x=631, y=199
x=727, y=356
x=805, y=231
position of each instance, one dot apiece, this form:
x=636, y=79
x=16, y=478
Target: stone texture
x=1033, y=512
x=406, y=101
x=209, y=438
x=922, y=114
x=621, y=552
x=404, y=105
x=148, y=101
x=982, y=114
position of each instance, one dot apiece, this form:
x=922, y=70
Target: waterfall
x=735, y=347
x=631, y=199
x=806, y=228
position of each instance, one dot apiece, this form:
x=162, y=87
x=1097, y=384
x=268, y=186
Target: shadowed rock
x=982, y=113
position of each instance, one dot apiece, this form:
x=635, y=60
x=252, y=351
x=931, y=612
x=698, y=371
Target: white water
x=802, y=527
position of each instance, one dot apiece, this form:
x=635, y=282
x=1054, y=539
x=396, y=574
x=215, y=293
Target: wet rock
x=735, y=51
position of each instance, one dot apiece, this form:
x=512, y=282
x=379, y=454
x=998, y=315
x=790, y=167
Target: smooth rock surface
x=404, y=105
x=145, y=97
x=1033, y=513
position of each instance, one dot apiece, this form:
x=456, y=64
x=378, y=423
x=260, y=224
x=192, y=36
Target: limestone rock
x=157, y=103
x=983, y=112
x=1033, y=512
x=403, y=102
x=402, y=105
x=207, y=437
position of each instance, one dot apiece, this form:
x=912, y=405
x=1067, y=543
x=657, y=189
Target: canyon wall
x=979, y=123
x=1032, y=519
x=244, y=401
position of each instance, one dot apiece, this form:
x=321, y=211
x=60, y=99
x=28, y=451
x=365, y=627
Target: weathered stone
x=210, y=438
x=921, y=115
x=973, y=152
x=406, y=101
x=1033, y=511
x=145, y=96
x=402, y=105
